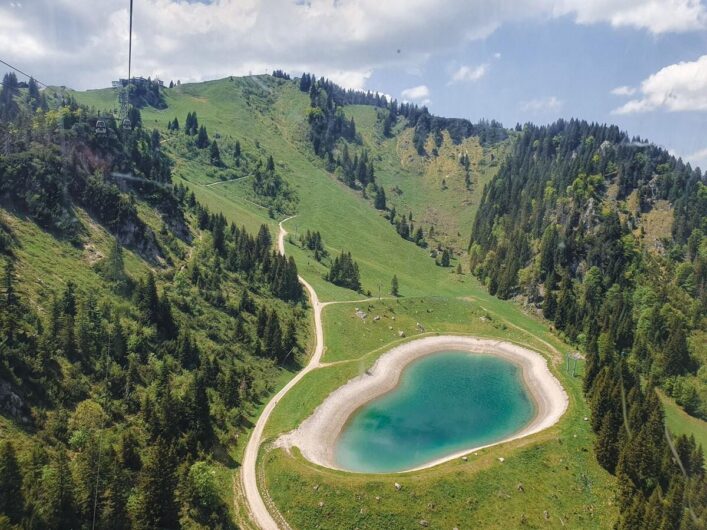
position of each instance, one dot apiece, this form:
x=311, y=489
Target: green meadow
x=535, y=476
x=554, y=471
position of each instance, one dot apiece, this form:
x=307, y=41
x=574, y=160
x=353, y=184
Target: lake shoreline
x=317, y=435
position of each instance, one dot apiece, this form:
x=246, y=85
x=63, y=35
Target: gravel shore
x=316, y=437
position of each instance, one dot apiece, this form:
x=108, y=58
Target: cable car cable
x=127, y=123
x=130, y=42
x=25, y=74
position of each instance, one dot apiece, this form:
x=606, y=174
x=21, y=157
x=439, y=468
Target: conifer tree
x=246, y=303
x=344, y=272
x=379, y=202
x=9, y=311
x=68, y=300
x=445, y=259
x=155, y=140
x=191, y=125
x=215, y=155
x=114, y=499
x=9, y=109
x=550, y=301
x=33, y=94
x=198, y=415
x=166, y=324
x=11, y=495
x=186, y=350
x=419, y=237
x=147, y=299
x=118, y=342
x=58, y=507
x=202, y=139
x=262, y=321
x=114, y=269
x=675, y=357
x=156, y=505
x=394, y=286
x=272, y=336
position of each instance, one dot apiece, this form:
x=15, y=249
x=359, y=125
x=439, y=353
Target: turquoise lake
x=444, y=403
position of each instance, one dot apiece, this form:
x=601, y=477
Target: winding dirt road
x=259, y=511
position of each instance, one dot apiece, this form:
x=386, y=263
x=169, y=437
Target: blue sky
x=539, y=71
x=510, y=60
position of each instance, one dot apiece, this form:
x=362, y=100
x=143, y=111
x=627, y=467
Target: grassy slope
x=432, y=188
x=560, y=476
x=680, y=422
x=46, y=264
x=262, y=111
x=556, y=468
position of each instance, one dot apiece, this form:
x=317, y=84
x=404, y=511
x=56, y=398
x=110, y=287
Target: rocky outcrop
x=12, y=405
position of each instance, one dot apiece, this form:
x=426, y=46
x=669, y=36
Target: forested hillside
x=423, y=173
x=605, y=235
x=145, y=313
x=355, y=156
x=139, y=329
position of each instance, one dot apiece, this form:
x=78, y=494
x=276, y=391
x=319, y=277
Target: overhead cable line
x=25, y=73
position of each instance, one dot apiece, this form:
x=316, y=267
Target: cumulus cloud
x=541, y=104
x=83, y=43
x=678, y=87
x=469, y=73
x=419, y=94
x=656, y=16
x=698, y=158
x=624, y=91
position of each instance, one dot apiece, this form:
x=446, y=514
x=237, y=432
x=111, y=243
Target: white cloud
x=83, y=43
x=419, y=94
x=469, y=73
x=354, y=79
x=541, y=104
x=678, y=87
x=656, y=16
x=624, y=91
x=698, y=158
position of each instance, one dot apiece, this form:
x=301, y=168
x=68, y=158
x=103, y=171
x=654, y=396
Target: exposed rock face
x=138, y=236
x=11, y=404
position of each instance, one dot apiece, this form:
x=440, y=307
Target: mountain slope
x=268, y=117
x=324, y=154
x=569, y=224
x=139, y=330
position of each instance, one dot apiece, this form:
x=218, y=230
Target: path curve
x=259, y=511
